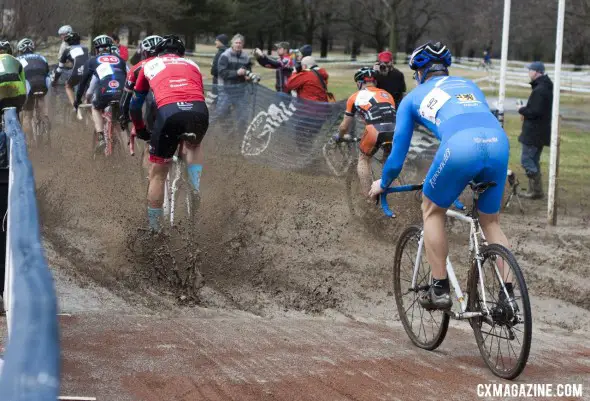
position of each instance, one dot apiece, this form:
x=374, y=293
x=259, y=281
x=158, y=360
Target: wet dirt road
x=222, y=355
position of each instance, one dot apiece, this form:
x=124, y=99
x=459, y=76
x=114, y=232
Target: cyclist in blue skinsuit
x=473, y=146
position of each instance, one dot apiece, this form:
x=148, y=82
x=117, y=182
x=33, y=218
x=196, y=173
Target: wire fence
x=287, y=132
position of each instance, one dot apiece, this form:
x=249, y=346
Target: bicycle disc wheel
x=503, y=336
x=427, y=329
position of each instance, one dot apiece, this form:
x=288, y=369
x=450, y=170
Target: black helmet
x=170, y=44
x=5, y=45
x=365, y=74
x=72, y=38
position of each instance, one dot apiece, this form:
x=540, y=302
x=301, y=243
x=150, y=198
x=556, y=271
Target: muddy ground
x=270, y=242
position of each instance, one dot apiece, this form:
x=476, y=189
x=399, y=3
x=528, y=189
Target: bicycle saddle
x=481, y=187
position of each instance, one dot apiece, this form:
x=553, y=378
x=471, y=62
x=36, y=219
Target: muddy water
x=269, y=242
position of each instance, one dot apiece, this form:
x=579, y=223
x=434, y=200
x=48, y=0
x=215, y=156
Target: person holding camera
x=283, y=64
x=234, y=70
x=390, y=78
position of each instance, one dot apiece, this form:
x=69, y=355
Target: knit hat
x=283, y=45
x=305, y=50
x=223, y=39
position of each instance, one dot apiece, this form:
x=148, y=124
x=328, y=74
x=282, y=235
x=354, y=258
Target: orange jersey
x=376, y=106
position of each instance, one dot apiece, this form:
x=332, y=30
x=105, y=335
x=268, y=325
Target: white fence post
x=504, y=61
x=551, y=207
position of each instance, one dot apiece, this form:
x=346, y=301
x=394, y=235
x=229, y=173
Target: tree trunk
x=393, y=34
x=355, y=50
x=324, y=41
x=269, y=42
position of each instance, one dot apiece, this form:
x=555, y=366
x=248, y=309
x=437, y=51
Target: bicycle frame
x=475, y=232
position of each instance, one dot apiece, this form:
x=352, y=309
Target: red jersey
x=172, y=79
x=134, y=73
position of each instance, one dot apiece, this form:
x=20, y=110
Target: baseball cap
x=385, y=57
x=284, y=45
x=537, y=66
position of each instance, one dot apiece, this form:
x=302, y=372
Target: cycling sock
x=154, y=216
x=441, y=286
x=194, y=172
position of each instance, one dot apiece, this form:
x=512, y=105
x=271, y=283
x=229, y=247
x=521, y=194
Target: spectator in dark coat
x=390, y=78
x=536, y=128
x=283, y=64
x=233, y=67
x=221, y=42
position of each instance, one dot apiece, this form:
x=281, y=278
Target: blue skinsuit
x=473, y=145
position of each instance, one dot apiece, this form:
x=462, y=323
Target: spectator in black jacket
x=536, y=128
x=390, y=78
x=221, y=42
x=233, y=67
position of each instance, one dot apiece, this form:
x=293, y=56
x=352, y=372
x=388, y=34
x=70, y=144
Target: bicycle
x=177, y=185
x=510, y=316
x=113, y=135
x=40, y=123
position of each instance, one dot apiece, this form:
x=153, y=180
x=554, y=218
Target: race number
x=76, y=52
x=153, y=68
x=103, y=70
x=432, y=103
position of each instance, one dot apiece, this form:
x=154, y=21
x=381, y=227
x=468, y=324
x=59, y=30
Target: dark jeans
x=531, y=159
x=227, y=98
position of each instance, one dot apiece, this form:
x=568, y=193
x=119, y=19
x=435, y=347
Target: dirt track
x=283, y=263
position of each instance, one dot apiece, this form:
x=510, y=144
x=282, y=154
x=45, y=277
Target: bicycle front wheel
x=504, y=333
x=427, y=329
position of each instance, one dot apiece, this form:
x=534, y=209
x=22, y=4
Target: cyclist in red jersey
x=148, y=46
x=177, y=85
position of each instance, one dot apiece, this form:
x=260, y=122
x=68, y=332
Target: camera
x=252, y=77
x=383, y=67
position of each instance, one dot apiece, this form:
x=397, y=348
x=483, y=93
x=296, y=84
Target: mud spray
x=268, y=241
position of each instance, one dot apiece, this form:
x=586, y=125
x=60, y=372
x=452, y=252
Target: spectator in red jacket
x=311, y=83
x=123, y=50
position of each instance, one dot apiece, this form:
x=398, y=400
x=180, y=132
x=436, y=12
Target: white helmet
x=64, y=30
x=149, y=44
x=25, y=44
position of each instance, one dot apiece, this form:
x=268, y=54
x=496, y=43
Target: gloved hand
x=336, y=138
x=143, y=134
x=376, y=189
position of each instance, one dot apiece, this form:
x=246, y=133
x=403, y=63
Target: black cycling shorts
x=38, y=84
x=173, y=120
x=17, y=101
x=101, y=101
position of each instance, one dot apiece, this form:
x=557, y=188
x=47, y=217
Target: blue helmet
x=429, y=54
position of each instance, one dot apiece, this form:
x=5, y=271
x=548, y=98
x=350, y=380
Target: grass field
x=573, y=177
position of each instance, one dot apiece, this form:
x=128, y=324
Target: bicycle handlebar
x=405, y=188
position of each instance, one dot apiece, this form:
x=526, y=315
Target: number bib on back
x=432, y=103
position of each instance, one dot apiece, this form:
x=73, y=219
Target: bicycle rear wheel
x=339, y=156
x=184, y=202
x=504, y=336
x=427, y=329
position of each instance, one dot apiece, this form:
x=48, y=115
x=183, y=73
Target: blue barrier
x=31, y=369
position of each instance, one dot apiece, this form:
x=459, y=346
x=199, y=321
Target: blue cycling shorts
x=479, y=154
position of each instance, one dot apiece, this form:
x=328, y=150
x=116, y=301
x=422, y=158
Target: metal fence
x=31, y=368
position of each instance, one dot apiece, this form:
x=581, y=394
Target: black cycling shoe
x=431, y=301
x=100, y=147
